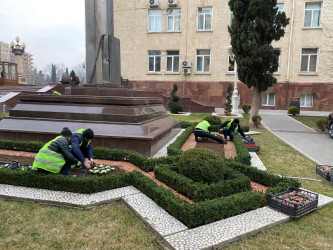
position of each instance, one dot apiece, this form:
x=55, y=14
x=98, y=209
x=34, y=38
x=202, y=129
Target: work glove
x=78, y=165
x=93, y=163
x=86, y=165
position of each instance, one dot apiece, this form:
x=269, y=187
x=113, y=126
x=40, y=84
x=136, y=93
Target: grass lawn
x=312, y=231
x=34, y=226
x=309, y=121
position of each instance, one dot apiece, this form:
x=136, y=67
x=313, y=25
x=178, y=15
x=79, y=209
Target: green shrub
x=28, y=146
x=234, y=182
x=246, y=108
x=243, y=155
x=174, y=107
x=293, y=110
x=256, y=120
x=321, y=124
x=213, y=120
x=186, y=124
x=202, y=165
x=174, y=148
x=228, y=106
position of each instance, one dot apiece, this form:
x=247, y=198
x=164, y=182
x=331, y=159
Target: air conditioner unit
x=153, y=3
x=187, y=64
x=173, y=3
x=187, y=71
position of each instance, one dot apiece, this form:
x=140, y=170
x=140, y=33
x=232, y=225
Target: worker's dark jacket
x=80, y=148
x=232, y=128
x=61, y=146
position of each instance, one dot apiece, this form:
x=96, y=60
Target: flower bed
x=325, y=171
x=294, y=202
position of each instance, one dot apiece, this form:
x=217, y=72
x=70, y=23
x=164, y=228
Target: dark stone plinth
x=132, y=123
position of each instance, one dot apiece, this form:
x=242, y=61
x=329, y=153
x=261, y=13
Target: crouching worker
x=82, y=148
x=230, y=128
x=55, y=156
x=203, y=130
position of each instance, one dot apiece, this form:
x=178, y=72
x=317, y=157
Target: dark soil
x=211, y=145
x=23, y=160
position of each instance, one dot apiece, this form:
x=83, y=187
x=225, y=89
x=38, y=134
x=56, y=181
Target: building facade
x=186, y=42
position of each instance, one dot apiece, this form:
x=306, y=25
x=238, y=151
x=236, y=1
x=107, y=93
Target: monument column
x=102, y=48
x=18, y=51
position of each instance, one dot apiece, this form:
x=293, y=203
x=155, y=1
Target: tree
x=67, y=73
x=53, y=74
x=228, y=106
x=174, y=107
x=255, y=24
x=327, y=49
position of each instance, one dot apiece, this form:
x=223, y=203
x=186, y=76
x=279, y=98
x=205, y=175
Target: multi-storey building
x=159, y=37
x=6, y=52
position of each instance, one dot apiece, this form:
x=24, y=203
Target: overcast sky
x=53, y=31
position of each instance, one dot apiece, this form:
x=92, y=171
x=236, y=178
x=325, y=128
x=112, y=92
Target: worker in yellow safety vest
x=55, y=156
x=203, y=130
x=230, y=128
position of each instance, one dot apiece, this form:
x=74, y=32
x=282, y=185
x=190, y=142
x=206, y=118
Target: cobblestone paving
x=315, y=145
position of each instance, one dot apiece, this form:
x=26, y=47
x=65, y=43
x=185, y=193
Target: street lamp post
x=235, y=92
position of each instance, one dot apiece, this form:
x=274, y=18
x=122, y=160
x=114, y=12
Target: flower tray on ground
x=252, y=147
x=294, y=202
x=325, y=171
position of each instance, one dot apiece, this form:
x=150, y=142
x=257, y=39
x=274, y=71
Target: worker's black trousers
x=203, y=134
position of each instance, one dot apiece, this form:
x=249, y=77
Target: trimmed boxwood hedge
x=174, y=148
x=234, y=182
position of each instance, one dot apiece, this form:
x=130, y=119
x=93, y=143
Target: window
x=231, y=65
x=155, y=21
x=203, y=60
x=268, y=99
x=154, y=59
x=278, y=59
x=309, y=60
x=174, y=19
x=280, y=7
x=231, y=17
x=205, y=16
x=306, y=100
x=312, y=15
x=172, y=64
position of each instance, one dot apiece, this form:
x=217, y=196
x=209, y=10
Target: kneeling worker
x=230, y=128
x=55, y=156
x=82, y=148
x=203, y=130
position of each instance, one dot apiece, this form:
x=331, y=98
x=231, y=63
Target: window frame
x=312, y=11
x=154, y=57
x=266, y=104
x=173, y=20
x=173, y=61
x=151, y=11
x=203, y=61
x=305, y=95
x=204, y=21
x=228, y=63
x=231, y=16
x=309, y=59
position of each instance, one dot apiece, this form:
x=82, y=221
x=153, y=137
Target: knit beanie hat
x=66, y=132
x=236, y=120
x=88, y=133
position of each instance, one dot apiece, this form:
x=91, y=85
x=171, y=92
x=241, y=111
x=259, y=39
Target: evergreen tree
x=228, y=106
x=67, y=73
x=255, y=24
x=174, y=107
x=53, y=74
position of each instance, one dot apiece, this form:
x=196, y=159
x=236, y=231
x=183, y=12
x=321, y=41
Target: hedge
x=193, y=215
x=243, y=155
x=174, y=148
x=57, y=182
x=197, y=191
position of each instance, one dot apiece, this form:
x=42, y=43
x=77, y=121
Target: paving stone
x=256, y=162
x=153, y=215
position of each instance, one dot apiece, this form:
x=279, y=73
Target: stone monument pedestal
x=133, y=123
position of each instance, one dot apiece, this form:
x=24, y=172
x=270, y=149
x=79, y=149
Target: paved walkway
x=317, y=146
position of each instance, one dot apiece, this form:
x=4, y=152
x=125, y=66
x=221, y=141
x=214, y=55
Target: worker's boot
x=196, y=138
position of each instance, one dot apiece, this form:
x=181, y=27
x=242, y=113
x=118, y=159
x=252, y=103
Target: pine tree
x=53, y=74
x=67, y=73
x=174, y=107
x=228, y=106
x=255, y=24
